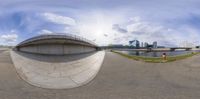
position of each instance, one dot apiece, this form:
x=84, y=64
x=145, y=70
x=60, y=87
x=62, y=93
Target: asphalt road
x=119, y=78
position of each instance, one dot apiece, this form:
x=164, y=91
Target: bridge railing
x=58, y=35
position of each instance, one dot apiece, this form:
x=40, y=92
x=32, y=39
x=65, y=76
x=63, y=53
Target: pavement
x=57, y=71
x=118, y=78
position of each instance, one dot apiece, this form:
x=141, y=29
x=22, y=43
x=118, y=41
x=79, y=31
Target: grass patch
x=157, y=59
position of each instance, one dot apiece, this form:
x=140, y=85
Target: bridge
x=186, y=48
x=57, y=44
x=152, y=49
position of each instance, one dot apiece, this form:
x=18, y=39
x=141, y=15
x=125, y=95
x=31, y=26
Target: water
x=157, y=54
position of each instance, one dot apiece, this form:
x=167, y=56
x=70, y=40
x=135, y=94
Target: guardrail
x=58, y=35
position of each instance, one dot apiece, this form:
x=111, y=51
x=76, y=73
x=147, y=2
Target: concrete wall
x=57, y=49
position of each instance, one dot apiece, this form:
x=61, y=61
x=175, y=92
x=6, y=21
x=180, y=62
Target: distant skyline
x=169, y=22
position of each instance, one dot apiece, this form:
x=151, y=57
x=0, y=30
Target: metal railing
x=58, y=35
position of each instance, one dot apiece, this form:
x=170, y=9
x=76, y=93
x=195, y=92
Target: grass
x=157, y=59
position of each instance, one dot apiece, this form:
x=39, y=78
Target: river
x=158, y=54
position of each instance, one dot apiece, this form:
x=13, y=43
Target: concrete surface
x=56, y=44
x=118, y=78
x=57, y=72
x=56, y=49
x=59, y=38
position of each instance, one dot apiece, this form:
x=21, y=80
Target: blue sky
x=170, y=22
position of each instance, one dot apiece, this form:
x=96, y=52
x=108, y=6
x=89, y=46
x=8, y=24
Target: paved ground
x=57, y=72
x=119, y=78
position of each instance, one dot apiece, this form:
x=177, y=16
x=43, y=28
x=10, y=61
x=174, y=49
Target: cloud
x=58, y=19
x=106, y=35
x=145, y=31
x=44, y=31
x=118, y=28
x=167, y=22
x=140, y=27
x=134, y=19
x=9, y=38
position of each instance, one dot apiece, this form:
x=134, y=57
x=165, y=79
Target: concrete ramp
x=57, y=72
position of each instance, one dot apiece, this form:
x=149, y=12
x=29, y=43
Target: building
x=155, y=44
x=146, y=44
x=134, y=43
x=186, y=44
x=142, y=44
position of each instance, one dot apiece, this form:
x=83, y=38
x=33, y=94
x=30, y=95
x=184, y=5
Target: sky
x=169, y=22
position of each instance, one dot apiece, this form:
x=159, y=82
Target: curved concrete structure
x=57, y=44
x=55, y=69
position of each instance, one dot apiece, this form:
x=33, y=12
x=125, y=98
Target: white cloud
x=144, y=27
x=135, y=19
x=45, y=32
x=55, y=18
x=8, y=39
x=147, y=32
x=96, y=25
x=99, y=19
x=118, y=28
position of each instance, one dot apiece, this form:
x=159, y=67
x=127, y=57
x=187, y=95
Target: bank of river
x=158, y=53
x=155, y=57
